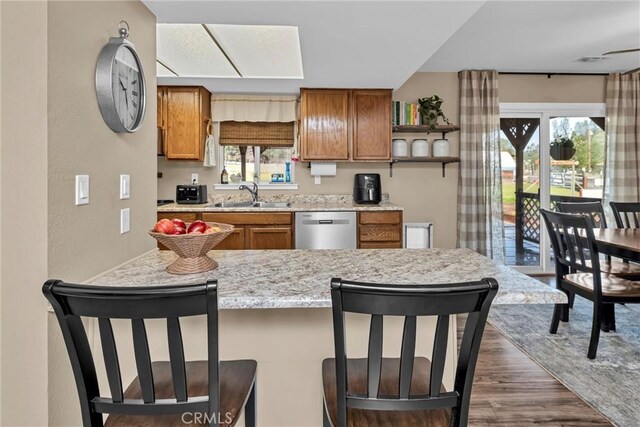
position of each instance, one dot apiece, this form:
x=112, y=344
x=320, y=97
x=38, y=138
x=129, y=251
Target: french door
x=536, y=176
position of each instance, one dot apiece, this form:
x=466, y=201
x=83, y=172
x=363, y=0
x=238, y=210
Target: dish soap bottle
x=224, y=176
x=287, y=172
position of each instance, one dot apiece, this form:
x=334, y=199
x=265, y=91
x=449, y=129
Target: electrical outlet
x=125, y=224
x=82, y=190
x=194, y=178
x=125, y=187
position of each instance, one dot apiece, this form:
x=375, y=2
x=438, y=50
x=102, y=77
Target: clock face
x=127, y=88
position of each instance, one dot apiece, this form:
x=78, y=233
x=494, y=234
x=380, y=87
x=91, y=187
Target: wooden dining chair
x=173, y=393
x=405, y=391
x=627, y=215
x=578, y=271
x=595, y=212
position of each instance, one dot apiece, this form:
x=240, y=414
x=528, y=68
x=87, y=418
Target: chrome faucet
x=254, y=191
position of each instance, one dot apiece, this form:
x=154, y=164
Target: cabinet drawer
x=185, y=216
x=380, y=233
x=388, y=217
x=381, y=245
x=244, y=218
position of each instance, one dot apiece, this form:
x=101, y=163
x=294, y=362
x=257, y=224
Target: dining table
x=619, y=242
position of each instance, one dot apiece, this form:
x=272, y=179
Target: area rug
x=611, y=382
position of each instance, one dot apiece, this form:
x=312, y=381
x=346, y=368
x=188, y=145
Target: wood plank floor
x=510, y=389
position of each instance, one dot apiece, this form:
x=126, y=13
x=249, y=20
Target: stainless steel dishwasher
x=325, y=230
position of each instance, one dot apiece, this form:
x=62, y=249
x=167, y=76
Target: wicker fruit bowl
x=192, y=249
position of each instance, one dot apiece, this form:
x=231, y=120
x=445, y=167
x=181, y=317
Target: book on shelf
x=405, y=113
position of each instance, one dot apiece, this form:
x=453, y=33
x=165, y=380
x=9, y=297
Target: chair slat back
x=594, y=210
x=411, y=302
x=573, y=244
x=627, y=215
x=71, y=302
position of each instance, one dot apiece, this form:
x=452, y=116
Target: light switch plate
x=125, y=187
x=82, y=190
x=125, y=224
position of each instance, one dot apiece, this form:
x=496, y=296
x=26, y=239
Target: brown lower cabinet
x=380, y=230
x=259, y=230
x=274, y=230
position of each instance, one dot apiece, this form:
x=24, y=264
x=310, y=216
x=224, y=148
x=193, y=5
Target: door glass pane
x=576, y=159
x=520, y=162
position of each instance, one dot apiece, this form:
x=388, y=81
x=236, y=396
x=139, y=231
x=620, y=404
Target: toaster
x=191, y=194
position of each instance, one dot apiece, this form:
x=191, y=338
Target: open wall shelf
x=442, y=129
x=444, y=160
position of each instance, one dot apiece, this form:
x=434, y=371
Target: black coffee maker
x=366, y=188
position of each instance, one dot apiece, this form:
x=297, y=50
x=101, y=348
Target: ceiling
x=544, y=36
x=380, y=44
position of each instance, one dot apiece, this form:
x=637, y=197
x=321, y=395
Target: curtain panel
x=622, y=172
x=480, y=225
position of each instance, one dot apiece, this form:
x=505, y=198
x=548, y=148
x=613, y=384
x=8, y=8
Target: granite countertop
x=295, y=207
x=300, y=202
x=300, y=278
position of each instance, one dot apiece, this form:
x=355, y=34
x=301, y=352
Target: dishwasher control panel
x=326, y=230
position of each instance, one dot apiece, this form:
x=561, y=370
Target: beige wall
x=23, y=225
x=418, y=187
x=536, y=88
x=51, y=130
x=86, y=240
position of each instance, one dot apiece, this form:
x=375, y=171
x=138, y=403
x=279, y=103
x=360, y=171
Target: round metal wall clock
x=120, y=84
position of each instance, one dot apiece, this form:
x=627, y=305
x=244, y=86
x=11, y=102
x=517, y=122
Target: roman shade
x=263, y=134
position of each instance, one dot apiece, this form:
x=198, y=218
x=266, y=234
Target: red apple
x=200, y=226
x=164, y=226
x=180, y=230
x=179, y=223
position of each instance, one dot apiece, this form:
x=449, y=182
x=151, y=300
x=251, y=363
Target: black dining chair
x=404, y=391
x=578, y=271
x=627, y=215
x=173, y=393
x=595, y=212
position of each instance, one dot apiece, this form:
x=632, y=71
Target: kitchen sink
x=272, y=205
x=233, y=205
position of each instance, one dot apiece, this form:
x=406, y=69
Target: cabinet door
x=233, y=241
x=184, y=124
x=269, y=238
x=325, y=124
x=371, y=121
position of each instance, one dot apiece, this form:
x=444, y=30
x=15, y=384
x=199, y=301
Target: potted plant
x=562, y=148
x=430, y=110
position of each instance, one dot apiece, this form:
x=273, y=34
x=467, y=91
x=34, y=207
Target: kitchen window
x=257, y=149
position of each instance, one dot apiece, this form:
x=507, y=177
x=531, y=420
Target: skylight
x=230, y=51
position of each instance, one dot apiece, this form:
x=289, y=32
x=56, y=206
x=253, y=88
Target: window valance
x=264, y=134
x=254, y=108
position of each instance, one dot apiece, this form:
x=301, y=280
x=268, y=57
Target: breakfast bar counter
x=256, y=279
x=275, y=309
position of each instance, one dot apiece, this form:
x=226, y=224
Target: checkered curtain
x=622, y=172
x=480, y=225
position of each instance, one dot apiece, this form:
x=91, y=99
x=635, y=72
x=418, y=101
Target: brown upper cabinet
x=183, y=114
x=345, y=124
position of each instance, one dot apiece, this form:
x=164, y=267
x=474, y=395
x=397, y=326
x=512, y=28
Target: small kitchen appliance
x=367, y=189
x=191, y=194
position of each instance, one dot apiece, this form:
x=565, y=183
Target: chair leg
x=595, y=331
x=572, y=298
x=325, y=417
x=558, y=312
x=250, y=408
x=608, y=317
